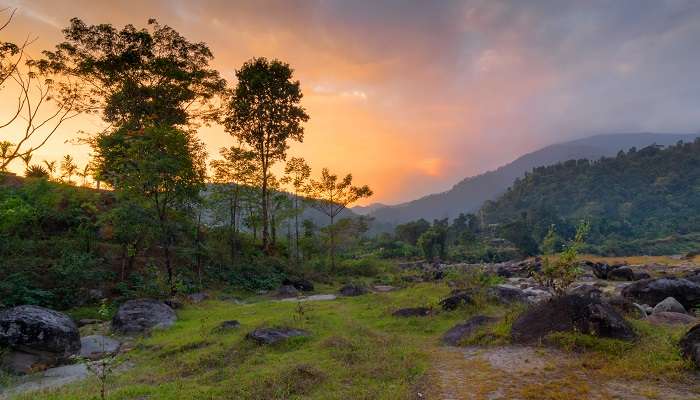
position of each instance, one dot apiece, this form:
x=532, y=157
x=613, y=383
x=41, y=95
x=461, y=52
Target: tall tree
x=42, y=102
x=166, y=167
x=233, y=175
x=297, y=173
x=331, y=196
x=137, y=77
x=264, y=112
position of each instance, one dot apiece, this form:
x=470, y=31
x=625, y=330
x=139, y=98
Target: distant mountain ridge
x=471, y=193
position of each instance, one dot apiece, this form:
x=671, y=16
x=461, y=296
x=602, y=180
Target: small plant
x=560, y=271
x=103, y=368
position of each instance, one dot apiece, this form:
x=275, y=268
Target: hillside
x=640, y=201
x=469, y=194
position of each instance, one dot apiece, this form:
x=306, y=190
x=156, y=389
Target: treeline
x=150, y=228
x=643, y=201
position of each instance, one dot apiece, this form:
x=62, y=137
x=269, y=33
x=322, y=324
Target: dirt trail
x=529, y=373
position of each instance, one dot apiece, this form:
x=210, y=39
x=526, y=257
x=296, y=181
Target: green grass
x=357, y=350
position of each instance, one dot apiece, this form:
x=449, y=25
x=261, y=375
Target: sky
x=413, y=96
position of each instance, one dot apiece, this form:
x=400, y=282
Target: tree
x=68, y=168
x=233, y=174
x=331, y=196
x=411, y=231
x=166, y=167
x=297, y=173
x=433, y=242
x=31, y=121
x=50, y=167
x=264, y=112
x=558, y=273
x=137, y=77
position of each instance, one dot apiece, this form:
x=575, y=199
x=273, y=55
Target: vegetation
x=637, y=203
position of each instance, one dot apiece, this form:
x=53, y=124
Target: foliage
x=37, y=171
x=639, y=202
x=411, y=231
x=560, y=272
x=135, y=77
x=264, y=113
x=331, y=196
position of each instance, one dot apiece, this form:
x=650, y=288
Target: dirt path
x=529, y=373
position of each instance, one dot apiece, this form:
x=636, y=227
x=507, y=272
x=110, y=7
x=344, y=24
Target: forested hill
x=644, y=200
x=471, y=193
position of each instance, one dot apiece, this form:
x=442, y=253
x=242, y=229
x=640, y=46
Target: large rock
x=456, y=300
x=352, y=289
x=671, y=318
x=34, y=329
x=507, y=294
x=95, y=347
x=690, y=345
x=275, y=335
x=622, y=273
x=571, y=313
x=412, y=312
x=139, y=316
x=461, y=331
x=301, y=284
x=669, y=304
x=653, y=291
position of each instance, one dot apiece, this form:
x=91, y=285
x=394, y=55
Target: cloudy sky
x=413, y=96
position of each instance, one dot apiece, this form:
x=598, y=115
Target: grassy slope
x=357, y=351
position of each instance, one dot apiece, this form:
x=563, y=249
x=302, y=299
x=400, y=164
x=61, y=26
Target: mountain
x=644, y=201
x=368, y=209
x=471, y=193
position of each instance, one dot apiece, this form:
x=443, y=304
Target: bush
x=260, y=273
x=367, y=267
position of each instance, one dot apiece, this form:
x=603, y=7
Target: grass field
x=357, y=351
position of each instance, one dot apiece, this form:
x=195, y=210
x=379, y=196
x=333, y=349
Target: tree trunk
x=169, y=268
x=296, y=227
x=332, y=232
x=265, y=231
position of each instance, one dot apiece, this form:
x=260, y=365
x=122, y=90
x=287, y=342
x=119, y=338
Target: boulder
x=139, y=316
x=586, y=290
x=352, y=289
x=600, y=270
x=571, y=313
x=275, y=335
x=622, y=273
x=95, y=347
x=690, y=345
x=653, y=291
x=456, y=300
x=412, y=312
x=35, y=329
x=671, y=318
x=669, y=304
x=300, y=284
x=506, y=294
x=287, y=291
x=639, y=275
x=461, y=331
x=228, y=325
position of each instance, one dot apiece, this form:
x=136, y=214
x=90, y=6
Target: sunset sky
x=413, y=96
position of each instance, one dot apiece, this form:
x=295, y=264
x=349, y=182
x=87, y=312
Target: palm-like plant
x=36, y=171
x=68, y=168
x=50, y=167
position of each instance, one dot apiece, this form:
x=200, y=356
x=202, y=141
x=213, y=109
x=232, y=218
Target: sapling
x=561, y=271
